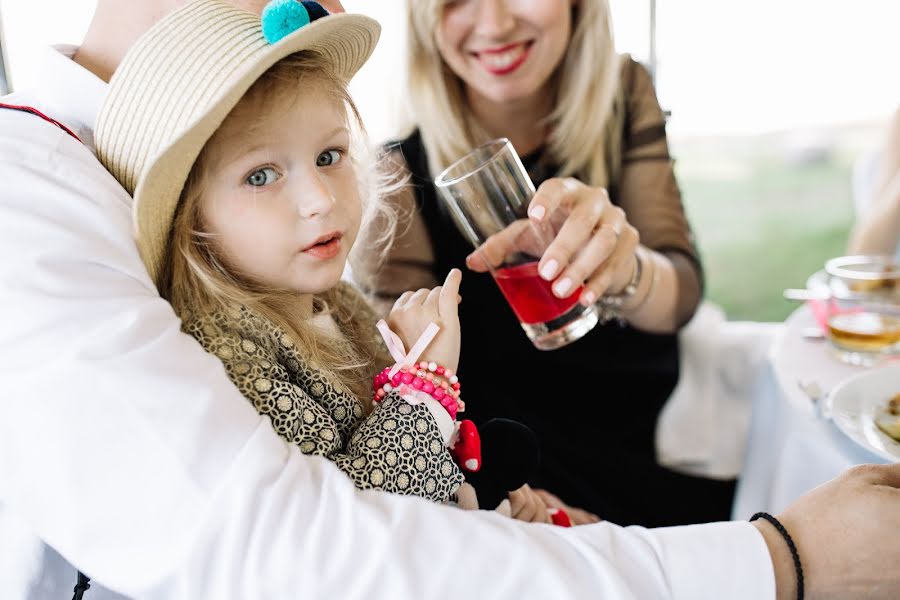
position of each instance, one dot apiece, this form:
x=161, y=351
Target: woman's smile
x=504, y=59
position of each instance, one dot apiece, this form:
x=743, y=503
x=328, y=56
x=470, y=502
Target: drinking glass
x=864, y=309
x=864, y=335
x=487, y=192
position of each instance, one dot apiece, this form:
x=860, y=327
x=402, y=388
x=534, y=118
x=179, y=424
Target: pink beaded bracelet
x=437, y=381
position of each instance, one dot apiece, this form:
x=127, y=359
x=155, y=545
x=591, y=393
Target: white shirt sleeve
x=127, y=449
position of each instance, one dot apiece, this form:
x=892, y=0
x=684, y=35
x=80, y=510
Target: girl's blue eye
x=328, y=158
x=263, y=177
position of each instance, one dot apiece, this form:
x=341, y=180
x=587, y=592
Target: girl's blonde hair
x=197, y=281
x=586, y=125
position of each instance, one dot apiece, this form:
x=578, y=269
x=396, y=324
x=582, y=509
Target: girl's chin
x=320, y=285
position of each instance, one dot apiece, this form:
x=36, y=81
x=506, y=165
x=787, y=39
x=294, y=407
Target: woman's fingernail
x=537, y=212
x=562, y=287
x=548, y=271
x=588, y=298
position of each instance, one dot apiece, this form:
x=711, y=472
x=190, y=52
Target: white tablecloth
x=790, y=449
x=703, y=427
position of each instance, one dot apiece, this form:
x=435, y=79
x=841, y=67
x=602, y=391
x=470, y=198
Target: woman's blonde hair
x=586, y=125
x=197, y=281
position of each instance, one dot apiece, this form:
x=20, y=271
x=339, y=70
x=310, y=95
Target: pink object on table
x=822, y=310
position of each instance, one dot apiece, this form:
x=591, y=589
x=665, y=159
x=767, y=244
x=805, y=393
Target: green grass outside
x=763, y=224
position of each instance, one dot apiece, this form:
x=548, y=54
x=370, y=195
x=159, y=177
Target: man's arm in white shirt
x=126, y=447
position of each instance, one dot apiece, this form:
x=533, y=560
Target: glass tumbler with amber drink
x=487, y=192
x=864, y=337
x=864, y=326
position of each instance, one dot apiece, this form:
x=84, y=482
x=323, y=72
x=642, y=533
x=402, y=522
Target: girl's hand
x=413, y=311
x=594, y=244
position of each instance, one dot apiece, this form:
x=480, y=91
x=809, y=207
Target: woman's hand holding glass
x=414, y=310
x=594, y=244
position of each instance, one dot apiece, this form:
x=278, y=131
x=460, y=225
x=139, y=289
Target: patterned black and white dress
x=397, y=448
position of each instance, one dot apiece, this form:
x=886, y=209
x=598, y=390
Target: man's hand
x=847, y=533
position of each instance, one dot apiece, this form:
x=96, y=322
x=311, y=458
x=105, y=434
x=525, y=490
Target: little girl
x=238, y=141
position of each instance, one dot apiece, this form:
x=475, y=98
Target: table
x=791, y=450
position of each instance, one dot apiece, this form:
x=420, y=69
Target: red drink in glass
x=530, y=296
x=488, y=192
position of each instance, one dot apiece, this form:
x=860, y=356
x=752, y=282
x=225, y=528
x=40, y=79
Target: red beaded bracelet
x=437, y=381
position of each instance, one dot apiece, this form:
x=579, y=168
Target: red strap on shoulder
x=37, y=113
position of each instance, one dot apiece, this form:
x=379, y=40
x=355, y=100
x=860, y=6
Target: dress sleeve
x=648, y=191
x=397, y=448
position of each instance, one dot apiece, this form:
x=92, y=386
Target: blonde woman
x=588, y=126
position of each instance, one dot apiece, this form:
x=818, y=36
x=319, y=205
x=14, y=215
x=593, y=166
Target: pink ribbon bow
x=398, y=352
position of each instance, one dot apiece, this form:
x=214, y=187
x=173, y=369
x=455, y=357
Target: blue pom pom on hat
x=283, y=17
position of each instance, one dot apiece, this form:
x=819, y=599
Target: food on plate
x=888, y=419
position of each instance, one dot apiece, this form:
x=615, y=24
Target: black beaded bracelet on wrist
x=790, y=542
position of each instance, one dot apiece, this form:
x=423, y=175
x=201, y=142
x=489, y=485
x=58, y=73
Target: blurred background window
x=772, y=104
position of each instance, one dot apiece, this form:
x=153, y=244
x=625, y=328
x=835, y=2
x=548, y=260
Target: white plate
x=853, y=404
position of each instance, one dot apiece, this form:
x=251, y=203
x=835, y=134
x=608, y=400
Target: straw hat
x=180, y=80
